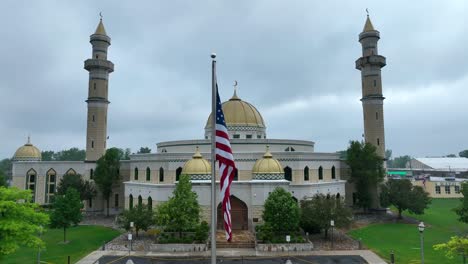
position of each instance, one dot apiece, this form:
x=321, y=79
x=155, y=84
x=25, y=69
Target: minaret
x=99, y=68
x=370, y=65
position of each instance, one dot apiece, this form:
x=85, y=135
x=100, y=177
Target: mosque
x=262, y=163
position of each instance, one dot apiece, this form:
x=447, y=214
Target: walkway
x=367, y=255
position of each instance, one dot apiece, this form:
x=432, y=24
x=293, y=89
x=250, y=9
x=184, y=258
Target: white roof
x=445, y=163
x=444, y=179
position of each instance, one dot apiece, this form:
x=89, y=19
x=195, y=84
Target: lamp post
x=130, y=237
x=421, y=227
x=332, y=224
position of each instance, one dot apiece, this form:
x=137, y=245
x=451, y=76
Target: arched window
x=71, y=172
x=320, y=173
x=116, y=200
x=333, y=172
x=91, y=174
x=136, y=174
x=31, y=178
x=306, y=173
x=130, y=201
x=177, y=174
x=161, y=174
x=150, y=203
x=236, y=174
x=140, y=200
x=148, y=174
x=288, y=173
x=51, y=179
x=90, y=202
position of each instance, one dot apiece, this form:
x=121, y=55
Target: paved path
x=353, y=255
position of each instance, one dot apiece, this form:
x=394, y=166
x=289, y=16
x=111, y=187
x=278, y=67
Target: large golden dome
x=197, y=165
x=28, y=152
x=268, y=167
x=239, y=113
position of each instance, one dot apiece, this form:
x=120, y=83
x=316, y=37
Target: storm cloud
x=294, y=60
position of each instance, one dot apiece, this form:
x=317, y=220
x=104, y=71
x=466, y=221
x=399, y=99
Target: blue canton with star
x=219, y=110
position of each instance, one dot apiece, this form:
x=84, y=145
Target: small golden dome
x=197, y=165
x=28, y=152
x=239, y=113
x=267, y=165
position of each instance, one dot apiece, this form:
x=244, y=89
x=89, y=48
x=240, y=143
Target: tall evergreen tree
x=144, y=150
x=281, y=211
x=107, y=173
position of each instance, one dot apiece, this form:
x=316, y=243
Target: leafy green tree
x=366, y=173
x=400, y=162
x=3, y=181
x=141, y=216
x=462, y=209
x=455, y=246
x=144, y=150
x=281, y=211
x=181, y=212
x=20, y=221
x=66, y=211
x=86, y=189
x=73, y=154
x=404, y=196
x=388, y=157
x=451, y=156
x=318, y=211
x=107, y=173
x=463, y=153
x=47, y=155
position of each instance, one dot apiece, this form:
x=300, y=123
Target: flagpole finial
x=213, y=55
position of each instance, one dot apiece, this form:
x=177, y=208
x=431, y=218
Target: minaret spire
x=99, y=68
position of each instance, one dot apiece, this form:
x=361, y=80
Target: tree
x=5, y=169
x=3, y=181
x=388, y=157
x=281, y=211
x=73, y=154
x=144, y=150
x=462, y=209
x=20, y=221
x=107, y=173
x=141, y=216
x=124, y=154
x=366, y=172
x=404, y=196
x=451, y=156
x=66, y=211
x=181, y=212
x=86, y=189
x=400, y=162
x=463, y=153
x=47, y=155
x=455, y=246
x=318, y=211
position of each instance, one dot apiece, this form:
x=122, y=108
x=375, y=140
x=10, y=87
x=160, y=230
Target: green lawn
x=403, y=239
x=83, y=240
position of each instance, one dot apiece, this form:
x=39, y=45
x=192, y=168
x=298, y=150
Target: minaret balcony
x=374, y=60
x=91, y=64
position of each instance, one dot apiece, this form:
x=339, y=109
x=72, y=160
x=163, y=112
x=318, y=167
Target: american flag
x=226, y=165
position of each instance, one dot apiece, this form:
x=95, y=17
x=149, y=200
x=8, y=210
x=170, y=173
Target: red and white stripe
x=227, y=171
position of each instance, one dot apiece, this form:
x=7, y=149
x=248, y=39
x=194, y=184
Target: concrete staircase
x=240, y=239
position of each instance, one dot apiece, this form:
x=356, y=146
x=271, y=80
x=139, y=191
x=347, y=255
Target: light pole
x=421, y=227
x=130, y=237
x=332, y=224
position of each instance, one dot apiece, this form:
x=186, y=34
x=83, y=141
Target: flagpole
x=213, y=159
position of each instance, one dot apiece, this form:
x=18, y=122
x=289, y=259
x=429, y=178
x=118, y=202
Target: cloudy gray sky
x=294, y=61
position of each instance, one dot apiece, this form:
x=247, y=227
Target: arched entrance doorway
x=239, y=215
